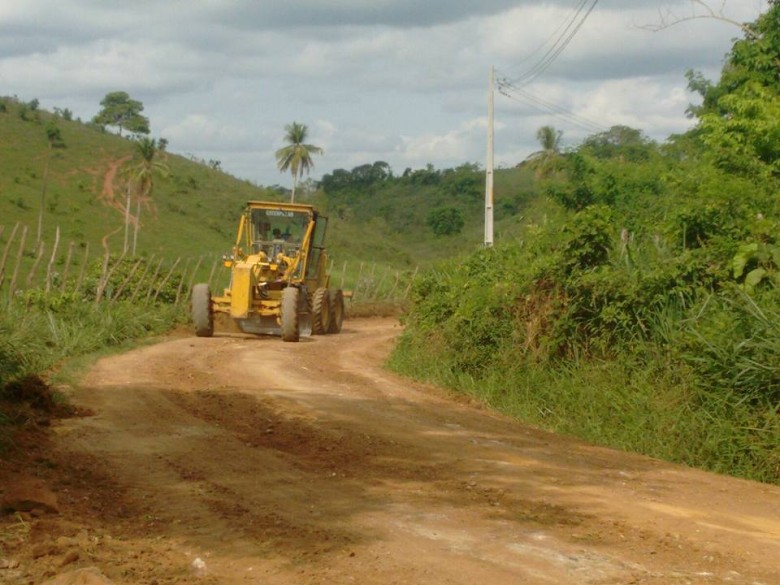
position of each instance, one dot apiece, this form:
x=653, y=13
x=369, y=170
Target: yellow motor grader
x=279, y=281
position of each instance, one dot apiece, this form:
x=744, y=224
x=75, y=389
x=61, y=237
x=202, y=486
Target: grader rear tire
x=202, y=316
x=290, y=317
x=320, y=312
x=336, y=310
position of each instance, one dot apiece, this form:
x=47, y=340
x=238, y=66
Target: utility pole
x=489, y=165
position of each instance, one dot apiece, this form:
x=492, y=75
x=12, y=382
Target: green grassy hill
x=193, y=212
x=378, y=233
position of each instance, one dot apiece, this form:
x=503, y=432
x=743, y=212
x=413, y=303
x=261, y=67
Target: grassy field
x=193, y=213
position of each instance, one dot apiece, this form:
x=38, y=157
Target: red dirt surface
x=238, y=460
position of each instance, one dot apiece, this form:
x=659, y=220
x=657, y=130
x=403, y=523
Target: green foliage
x=623, y=142
x=445, y=221
x=643, y=313
x=296, y=157
x=120, y=110
x=744, y=136
x=588, y=239
x=733, y=342
x=54, y=134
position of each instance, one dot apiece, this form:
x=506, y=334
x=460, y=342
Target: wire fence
x=29, y=267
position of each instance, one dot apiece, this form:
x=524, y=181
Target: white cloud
x=396, y=80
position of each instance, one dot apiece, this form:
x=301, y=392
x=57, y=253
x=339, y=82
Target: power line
x=572, y=26
x=514, y=89
x=522, y=95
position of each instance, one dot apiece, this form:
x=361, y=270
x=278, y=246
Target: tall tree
x=54, y=140
x=738, y=117
x=296, y=156
x=142, y=175
x=123, y=112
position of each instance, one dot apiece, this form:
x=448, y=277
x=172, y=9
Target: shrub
x=446, y=221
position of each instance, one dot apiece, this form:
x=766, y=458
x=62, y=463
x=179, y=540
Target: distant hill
x=194, y=212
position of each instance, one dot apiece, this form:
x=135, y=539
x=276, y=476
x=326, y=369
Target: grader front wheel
x=202, y=316
x=290, y=317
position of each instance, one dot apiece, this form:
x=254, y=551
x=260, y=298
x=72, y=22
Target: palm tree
x=296, y=156
x=142, y=176
x=550, y=140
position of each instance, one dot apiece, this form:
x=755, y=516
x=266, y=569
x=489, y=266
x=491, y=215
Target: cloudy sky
x=402, y=81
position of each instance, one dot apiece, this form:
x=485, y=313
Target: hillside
x=192, y=212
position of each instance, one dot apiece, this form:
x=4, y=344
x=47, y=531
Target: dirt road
x=247, y=460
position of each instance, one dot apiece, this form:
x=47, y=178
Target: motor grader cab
x=279, y=281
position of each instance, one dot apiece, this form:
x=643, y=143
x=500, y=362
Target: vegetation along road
x=247, y=460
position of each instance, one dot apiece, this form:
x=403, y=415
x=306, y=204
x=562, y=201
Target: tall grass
x=35, y=340
x=647, y=353
x=657, y=408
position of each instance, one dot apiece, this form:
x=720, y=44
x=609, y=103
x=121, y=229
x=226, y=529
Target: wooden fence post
x=357, y=282
x=343, y=273
x=378, y=288
x=154, y=277
x=121, y=288
x=51, y=259
x=164, y=280
x=83, y=268
x=110, y=274
x=103, y=277
x=395, y=286
x=34, y=269
x=192, y=279
x=181, y=282
x=217, y=262
x=141, y=280
x=68, y=260
x=411, y=282
x=12, y=285
x=6, y=251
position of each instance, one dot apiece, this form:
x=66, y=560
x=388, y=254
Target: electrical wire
x=514, y=89
x=571, y=28
x=522, y=95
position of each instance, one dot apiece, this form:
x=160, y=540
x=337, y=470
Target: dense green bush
x=643, y=315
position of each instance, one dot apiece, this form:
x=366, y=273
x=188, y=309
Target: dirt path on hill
x=238, y=460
